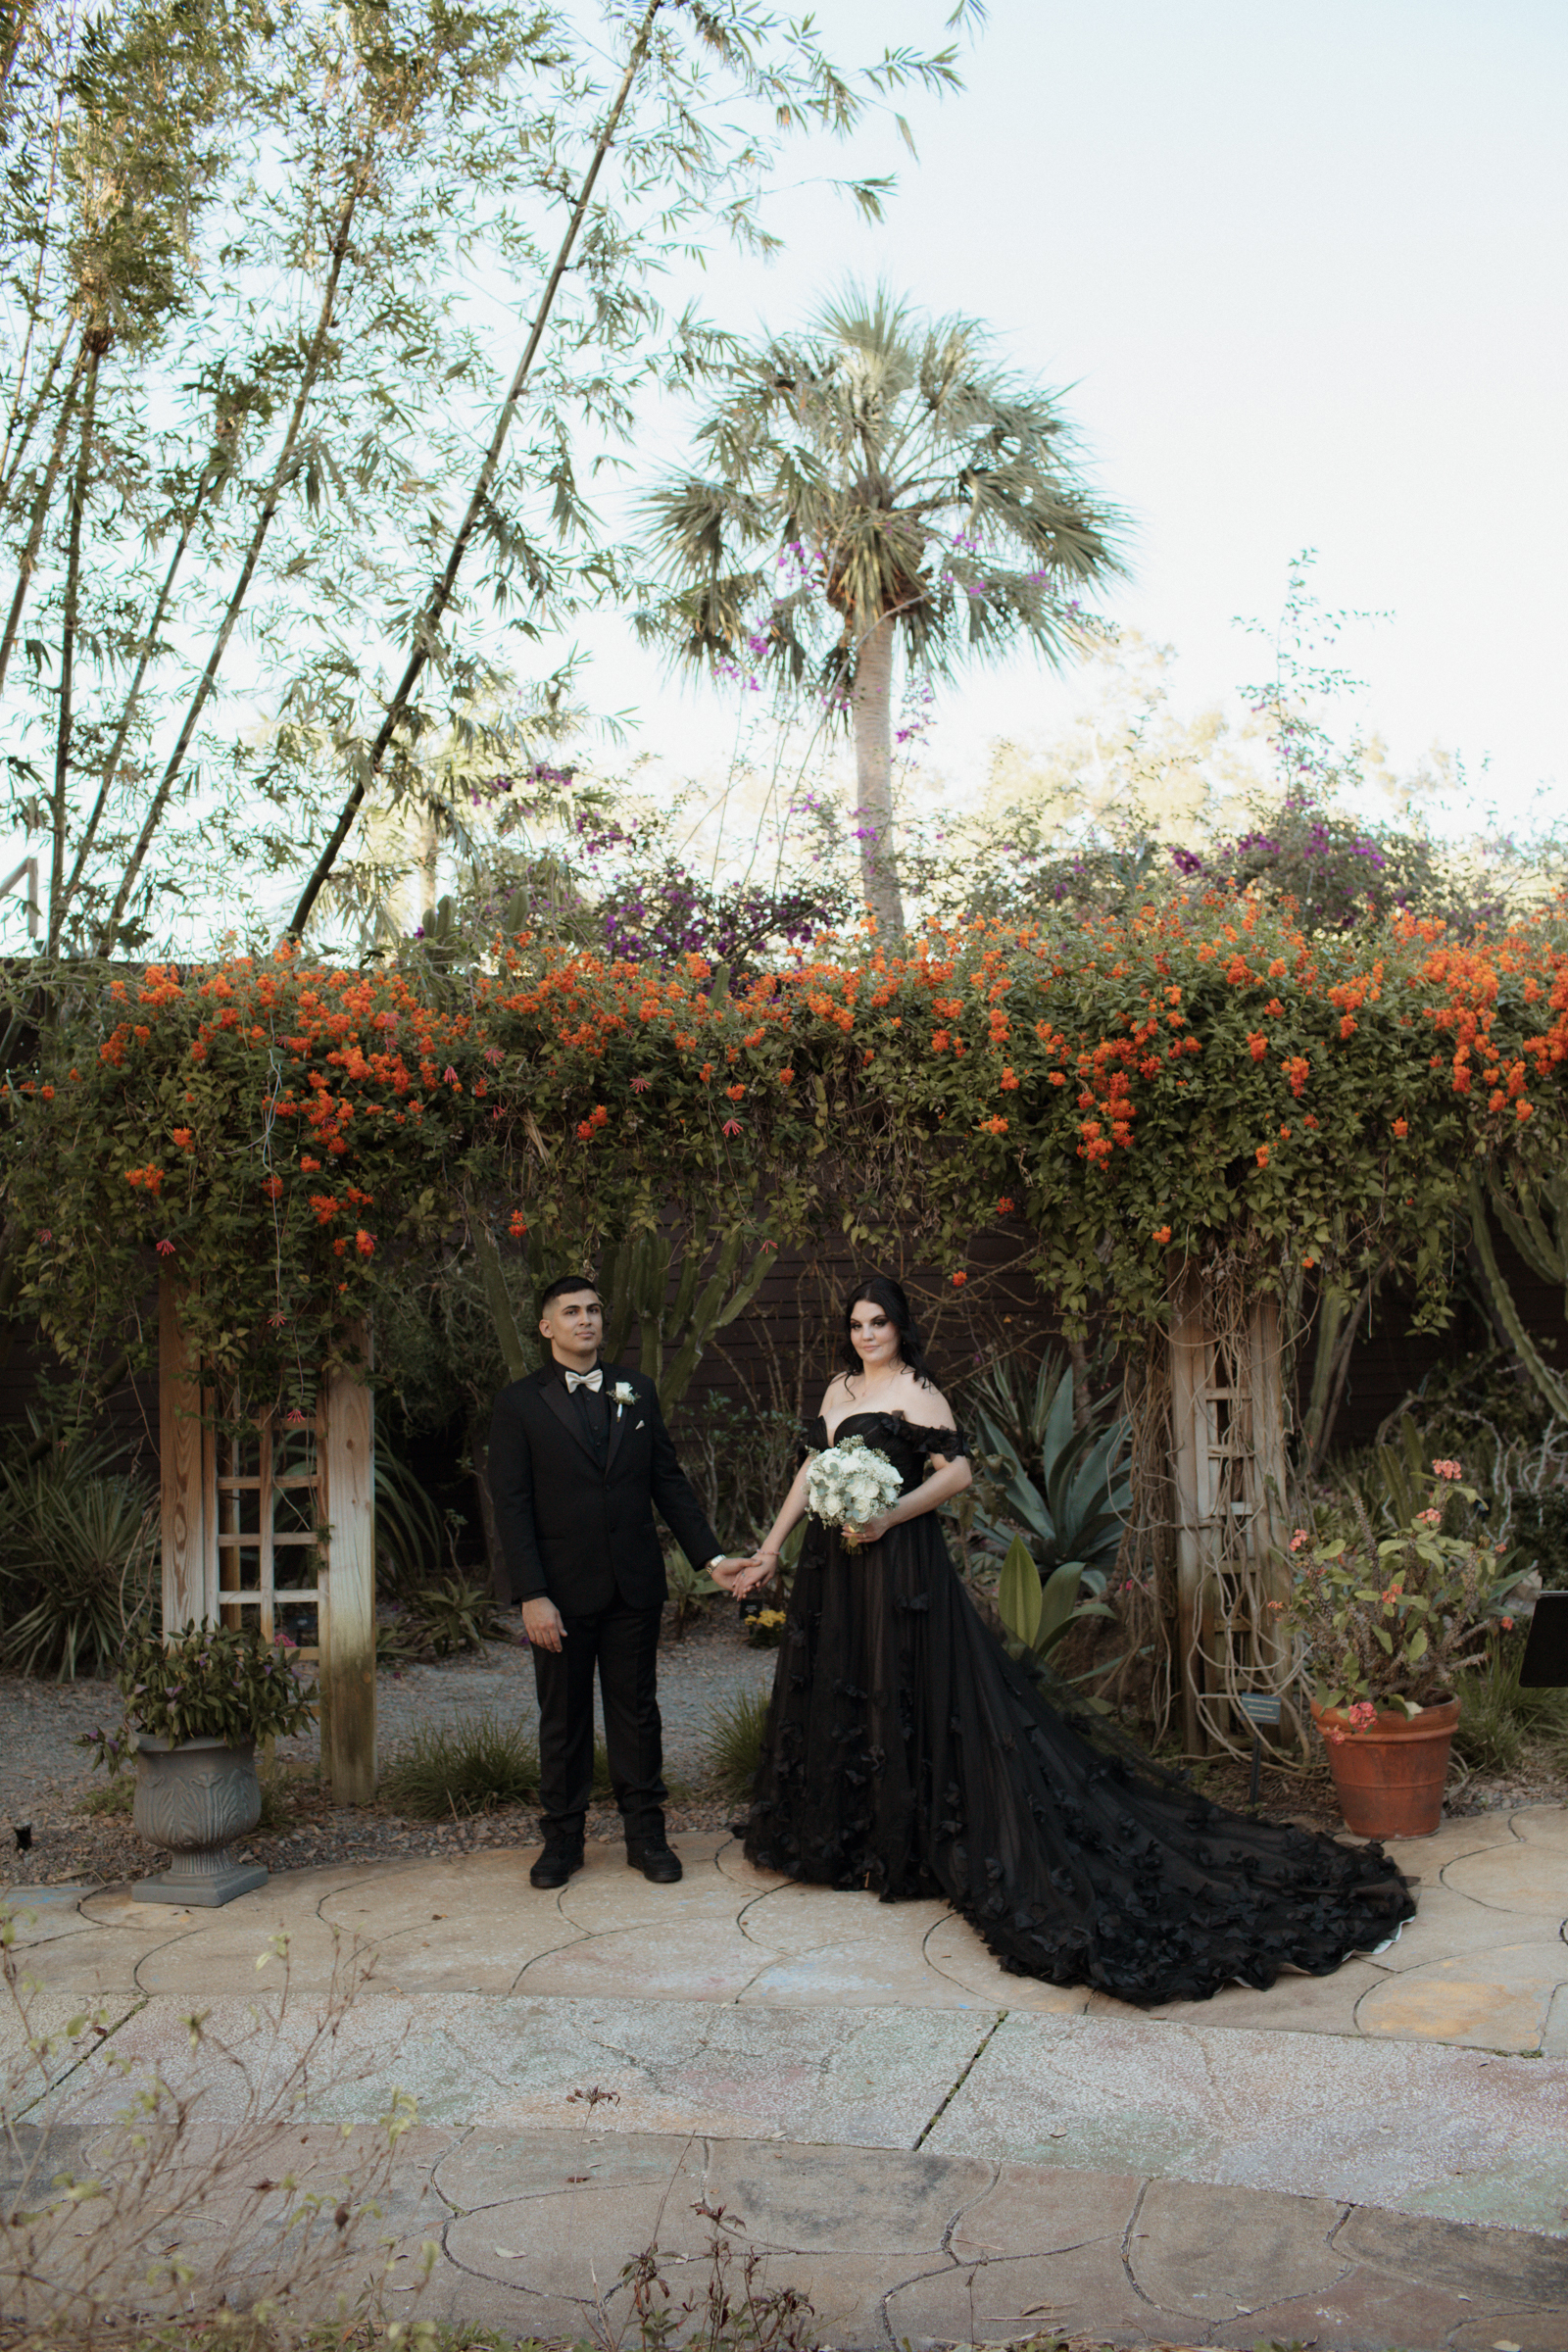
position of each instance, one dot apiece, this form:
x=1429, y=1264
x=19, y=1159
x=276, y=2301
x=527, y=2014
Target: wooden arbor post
x=1228, y=1456
x=276, y=1523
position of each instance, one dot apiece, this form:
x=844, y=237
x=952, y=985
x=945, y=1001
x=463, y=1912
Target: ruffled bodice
x=907, y=1752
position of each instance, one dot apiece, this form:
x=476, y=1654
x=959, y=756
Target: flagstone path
x=926, y=2146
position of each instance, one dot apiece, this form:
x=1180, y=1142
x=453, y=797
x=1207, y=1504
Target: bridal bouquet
x=849, y=1483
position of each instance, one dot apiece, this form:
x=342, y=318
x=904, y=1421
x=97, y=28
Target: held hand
x=872, y=1531
x=541, y=1621
x=724, y=1572
x=760, y=1569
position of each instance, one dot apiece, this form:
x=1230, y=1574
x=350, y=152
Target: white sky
x=1300, y=269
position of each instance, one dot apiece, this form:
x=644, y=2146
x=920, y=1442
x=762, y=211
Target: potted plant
x=195, y=1707
x=1386, y=1625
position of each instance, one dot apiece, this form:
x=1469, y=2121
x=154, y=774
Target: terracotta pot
x=198, y=1799
x=1390, y=1776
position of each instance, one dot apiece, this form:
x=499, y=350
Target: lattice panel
x=265, y=1485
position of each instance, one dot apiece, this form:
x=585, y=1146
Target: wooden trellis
x=275, y=1520
x=1228, y=1415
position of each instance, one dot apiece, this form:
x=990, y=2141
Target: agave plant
x=1067, y=1490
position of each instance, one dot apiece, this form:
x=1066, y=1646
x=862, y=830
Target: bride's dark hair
x=880, y=1290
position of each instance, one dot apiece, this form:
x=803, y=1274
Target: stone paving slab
x=932, y=2149
x=1485, y=1963
x=1434, y=2131
x=535, y=2230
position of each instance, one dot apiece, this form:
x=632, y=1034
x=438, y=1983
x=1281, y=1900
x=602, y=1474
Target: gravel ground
x=44, y=1776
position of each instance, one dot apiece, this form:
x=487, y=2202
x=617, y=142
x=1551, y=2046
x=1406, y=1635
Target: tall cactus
x=1536, y=1221
x=674, y=1332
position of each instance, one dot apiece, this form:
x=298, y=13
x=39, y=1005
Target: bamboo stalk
x=41, y=510
x=282, y=475
x=133, y=700
x=60, y=810
x=427, y=628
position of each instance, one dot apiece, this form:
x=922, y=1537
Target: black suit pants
x=623, y=1645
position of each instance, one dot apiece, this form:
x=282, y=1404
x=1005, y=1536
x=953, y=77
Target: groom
x=579, y=1454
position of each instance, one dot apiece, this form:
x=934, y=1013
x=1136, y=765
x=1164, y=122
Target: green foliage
x=1499, y=1720
x=408, y=1525
x=1393, y=1621
x=1076, y=1509
x=675, y=1330
x=210, y=1681
x=732, y=1743
x=1039, y=1615
x=462, y=1769
x=740, y=1455
x=452, y=1615
x=247, y=257
x=690, y=1589
x=78, y=1553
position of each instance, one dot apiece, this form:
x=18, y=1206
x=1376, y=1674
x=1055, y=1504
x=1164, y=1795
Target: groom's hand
x=541, y=1621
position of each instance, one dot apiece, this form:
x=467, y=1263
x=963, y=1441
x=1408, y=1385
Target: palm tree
x=877, y=480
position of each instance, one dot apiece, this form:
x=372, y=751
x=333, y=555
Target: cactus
x=1544, y=1248
x=635, y=1283
x=674, y=1332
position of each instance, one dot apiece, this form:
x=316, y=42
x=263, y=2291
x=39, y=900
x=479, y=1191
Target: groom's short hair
x=561, y=1285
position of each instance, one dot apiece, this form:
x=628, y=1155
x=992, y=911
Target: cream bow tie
x=585, y=1380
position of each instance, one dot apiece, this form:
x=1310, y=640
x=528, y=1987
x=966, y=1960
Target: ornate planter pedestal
x=198, y=1799
x=1389, y=1779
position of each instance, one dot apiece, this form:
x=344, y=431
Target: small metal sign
x=1259, y=1707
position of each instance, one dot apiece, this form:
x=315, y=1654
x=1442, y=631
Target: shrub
x=454, y=1614
x=78, y=1543
x=1499, y=1721
x=732, y=1745
x=462, y=1769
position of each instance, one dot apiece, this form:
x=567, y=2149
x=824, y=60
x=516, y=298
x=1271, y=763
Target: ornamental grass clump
x=1390, y=1623
x=210, y=1681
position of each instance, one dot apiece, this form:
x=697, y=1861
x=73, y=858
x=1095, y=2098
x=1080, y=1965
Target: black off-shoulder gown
x=908, y=1753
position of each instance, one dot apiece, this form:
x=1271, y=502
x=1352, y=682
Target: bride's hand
x=872, y=1531
x=760, y=1569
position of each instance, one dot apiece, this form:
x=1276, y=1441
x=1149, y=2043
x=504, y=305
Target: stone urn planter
x=1389, y=1774
x=196, y=1703
x=198, y=1797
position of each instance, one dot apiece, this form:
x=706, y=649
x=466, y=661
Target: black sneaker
x=653, y=1858
x=557, y=1863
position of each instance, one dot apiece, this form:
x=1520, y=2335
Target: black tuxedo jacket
x=578, y=1530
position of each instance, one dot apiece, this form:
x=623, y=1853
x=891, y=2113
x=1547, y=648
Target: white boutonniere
x=623, y=1393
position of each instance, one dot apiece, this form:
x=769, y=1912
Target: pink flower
x=1430, y=1518
x=640, y=1086
x=1447, y=1470
x=166, y=1248
x=45, y=1233
x=294, y=1418
x=1299, y=1537
x=1508, y=1624
x=1363, y=1715
x=277, y=1318
x=734, y=1127
x=494, y=1055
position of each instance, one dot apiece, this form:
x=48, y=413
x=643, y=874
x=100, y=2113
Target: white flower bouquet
x=849, y=1485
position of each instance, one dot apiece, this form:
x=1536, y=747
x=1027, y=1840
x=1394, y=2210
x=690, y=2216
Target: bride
x=907, y=1752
